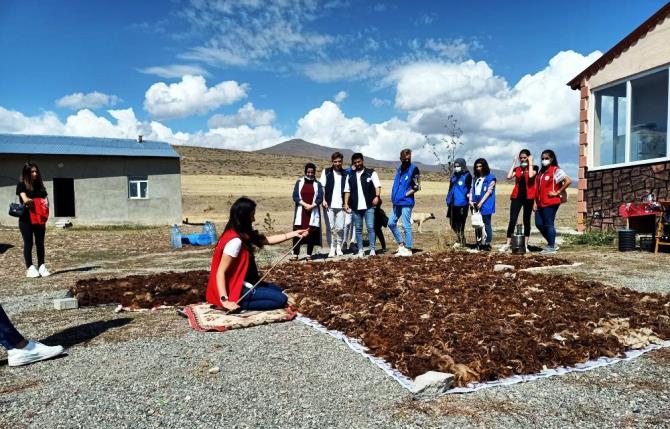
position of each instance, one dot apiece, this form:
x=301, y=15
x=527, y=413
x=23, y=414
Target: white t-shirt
x=336, y=200
x=559, y=175
x=361, y=200
x=232, y=249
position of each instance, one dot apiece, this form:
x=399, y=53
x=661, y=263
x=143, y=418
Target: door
x=63, y=197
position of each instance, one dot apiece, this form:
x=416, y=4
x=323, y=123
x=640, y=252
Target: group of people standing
x=350, y=198
x=539, y=189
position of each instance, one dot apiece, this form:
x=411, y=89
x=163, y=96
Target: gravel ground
x=150, y=370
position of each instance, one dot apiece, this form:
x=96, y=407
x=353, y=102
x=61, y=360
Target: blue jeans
x=404, y=212
x=9, y=336
x=357, y=217
x=266, y=296
x=544, y=221
x=487, y=228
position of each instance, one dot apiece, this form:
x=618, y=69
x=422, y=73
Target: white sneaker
x=361, y=254
x=504, y=248
x=33, y=352
x=43, y=271
x=331, y=254
x=32, y=272
x=338, y=251
x=405, y=252
x=373, y=253
x=548, y=250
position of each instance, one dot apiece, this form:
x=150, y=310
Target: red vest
x=530, y=183
x=545, y=184
x=234, y=275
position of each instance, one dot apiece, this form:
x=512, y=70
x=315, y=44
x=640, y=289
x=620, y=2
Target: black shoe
x=486, y=248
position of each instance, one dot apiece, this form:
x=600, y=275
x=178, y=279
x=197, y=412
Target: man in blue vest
x=405, y=185
x=361, y=194
x=333, y=180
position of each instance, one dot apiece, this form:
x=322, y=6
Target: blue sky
x=260, y=72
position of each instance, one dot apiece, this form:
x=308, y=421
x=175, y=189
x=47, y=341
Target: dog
x=420, y=218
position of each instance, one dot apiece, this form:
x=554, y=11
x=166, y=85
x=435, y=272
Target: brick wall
x=606, y=190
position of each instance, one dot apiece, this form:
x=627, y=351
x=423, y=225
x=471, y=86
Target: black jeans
x=458, y=218
x=514, y=210
x=28, y=231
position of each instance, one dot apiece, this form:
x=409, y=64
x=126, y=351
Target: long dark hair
x=485, y=168
x=554, y=161
x=241, y=212
x=27, y=177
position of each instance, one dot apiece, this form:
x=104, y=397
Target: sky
x=371, y=76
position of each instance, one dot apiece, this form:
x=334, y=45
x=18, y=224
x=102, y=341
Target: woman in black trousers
x=31, y=190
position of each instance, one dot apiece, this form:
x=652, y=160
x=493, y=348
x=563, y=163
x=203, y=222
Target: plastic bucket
x=626, y=240
x=647, y=243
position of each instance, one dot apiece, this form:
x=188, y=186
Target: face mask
x=546, y=162
x=310, y=178
x=524, y=164
x=457, y=169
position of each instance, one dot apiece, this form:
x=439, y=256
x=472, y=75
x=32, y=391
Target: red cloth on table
x=636, y=209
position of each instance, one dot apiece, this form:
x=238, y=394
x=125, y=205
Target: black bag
x=16, y=209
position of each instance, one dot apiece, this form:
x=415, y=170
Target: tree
x=448, y=145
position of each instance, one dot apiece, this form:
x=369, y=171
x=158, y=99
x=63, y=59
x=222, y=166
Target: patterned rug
x=205, y=318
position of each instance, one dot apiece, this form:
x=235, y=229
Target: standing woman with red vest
x=551, y=183
x=32, y=223
x=234, y=270
x=523, y=195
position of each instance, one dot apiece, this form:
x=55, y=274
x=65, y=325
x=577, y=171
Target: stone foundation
x=606, y=190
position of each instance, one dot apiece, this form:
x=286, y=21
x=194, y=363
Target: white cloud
x=328, y=126
x=339, y=70
x=246, y=115
x=175, y=70
x=379, y=102
x=340, y=96
x=14, y=122
x=242, y=137
x=190, y=96
x=92, y=100
x=248, y=32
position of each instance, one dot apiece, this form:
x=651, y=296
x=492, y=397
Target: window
x=138, y=187
x=631, y=120
x=610, y=125
x=649, y=116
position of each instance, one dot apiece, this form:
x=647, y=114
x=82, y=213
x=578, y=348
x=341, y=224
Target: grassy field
x=210, y=197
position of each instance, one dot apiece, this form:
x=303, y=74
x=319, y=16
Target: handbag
x=476, y=220
x=16, y=209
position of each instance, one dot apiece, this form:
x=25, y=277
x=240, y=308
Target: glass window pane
x=610, y=125
x=143, y=189
x=649, y=116
x=132, y=189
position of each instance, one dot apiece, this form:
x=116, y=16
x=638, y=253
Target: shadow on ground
x=80, y=269
x=83, y=333
x=5, y=247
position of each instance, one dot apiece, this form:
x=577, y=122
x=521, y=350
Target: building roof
x=620, y=47
x=88, y=146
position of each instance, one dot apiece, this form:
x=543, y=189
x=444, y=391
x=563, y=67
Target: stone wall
x=606, y=190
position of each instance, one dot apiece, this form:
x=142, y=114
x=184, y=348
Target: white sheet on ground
x=408, y=383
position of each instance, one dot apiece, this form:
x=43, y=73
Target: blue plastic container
x=197, y=239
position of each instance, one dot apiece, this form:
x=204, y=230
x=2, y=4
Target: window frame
x=136, y=181
x=629, y=115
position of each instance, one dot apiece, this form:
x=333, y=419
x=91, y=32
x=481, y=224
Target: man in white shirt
x=333, y=181
x=361, y=194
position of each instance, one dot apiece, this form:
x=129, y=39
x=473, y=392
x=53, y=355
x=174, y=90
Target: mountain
x=303, y=149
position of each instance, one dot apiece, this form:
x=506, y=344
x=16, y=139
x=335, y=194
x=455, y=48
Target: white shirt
x=361, y=198
x=336, y=199
x=559, y=175
x=232, y=249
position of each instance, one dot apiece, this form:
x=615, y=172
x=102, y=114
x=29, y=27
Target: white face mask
x=546, y=162
x=457, y=169
x=524, y=164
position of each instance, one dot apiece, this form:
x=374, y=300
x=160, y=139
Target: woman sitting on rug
x=234, y=269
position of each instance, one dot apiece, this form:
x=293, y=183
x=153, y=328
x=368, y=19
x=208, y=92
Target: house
x=94, y=181
x=624, y=150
